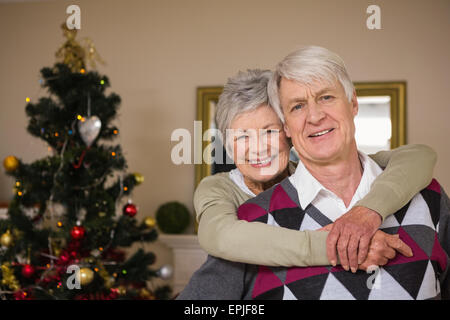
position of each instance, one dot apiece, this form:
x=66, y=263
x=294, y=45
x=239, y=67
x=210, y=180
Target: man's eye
x=297, y=107
x=327, y=98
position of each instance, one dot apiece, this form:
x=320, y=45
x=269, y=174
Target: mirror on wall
x=380, y=123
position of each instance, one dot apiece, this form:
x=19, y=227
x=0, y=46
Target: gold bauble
x=6, y=239
x=122, y=290
x=10, y=163
x=150, y=222
x=86, y=276
x=145, y=294
x=138, y=177
x=109, y=282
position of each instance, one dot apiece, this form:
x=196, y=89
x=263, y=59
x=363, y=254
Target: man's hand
x=351, y=234
x=383, y=248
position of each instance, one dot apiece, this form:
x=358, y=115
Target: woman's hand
x=384, y=247
x=351, y=235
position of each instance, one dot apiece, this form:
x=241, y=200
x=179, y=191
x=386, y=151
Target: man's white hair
x=306, y=66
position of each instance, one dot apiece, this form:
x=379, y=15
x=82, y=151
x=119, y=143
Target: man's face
x=319, y=119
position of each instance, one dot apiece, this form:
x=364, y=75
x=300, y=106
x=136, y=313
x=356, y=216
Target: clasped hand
x=358, y=242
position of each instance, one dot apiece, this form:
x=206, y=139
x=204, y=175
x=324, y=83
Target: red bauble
x=130, y=210
x=28, y=270
x=77, y=232
x=23, y=295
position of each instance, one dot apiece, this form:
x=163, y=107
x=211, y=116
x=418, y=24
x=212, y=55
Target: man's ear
x=355, y=106
x=286, y=130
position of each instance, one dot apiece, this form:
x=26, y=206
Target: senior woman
x=244, y=108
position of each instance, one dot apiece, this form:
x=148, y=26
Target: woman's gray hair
x=244, y=92
x=307, y=65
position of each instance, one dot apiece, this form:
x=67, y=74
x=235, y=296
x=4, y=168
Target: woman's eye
x=270, y=131
x=241, y=137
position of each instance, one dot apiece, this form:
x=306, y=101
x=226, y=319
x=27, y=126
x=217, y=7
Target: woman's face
x=260, y=146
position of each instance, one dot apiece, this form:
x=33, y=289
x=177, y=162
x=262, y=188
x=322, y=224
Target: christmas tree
x=68, y=223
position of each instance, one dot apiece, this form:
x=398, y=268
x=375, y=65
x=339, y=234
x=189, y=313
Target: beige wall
x=158, y=52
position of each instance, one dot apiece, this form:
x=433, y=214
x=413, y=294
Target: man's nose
x=315, y=113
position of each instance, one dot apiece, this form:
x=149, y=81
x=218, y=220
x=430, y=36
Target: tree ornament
x=28, y=271
x=130, y=210
x=150, y=222
x=173, y=217
x=165, y=272
x=10, y=163
x=145, y=294
x=78, y=232
x=86, y=276
x=71, y=52
x=8, y=277
x=23, y=295
x=121, y=290
x=139, y=178
x=6, y=239
x=89, y=129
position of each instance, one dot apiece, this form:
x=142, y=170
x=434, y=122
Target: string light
x=27, y=99
x=113, y=154
x=79, y=117
x=125, y=188
x=17, y=183
x=102, y=82
x=56, y=134
x=82, y=71
x=116, y=131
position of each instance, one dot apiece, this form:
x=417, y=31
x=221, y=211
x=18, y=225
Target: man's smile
x=320, y=133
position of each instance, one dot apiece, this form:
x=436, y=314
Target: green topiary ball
x=173, y=217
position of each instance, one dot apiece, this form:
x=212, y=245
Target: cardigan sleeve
x=221, y=234
x=216, y=279
x=409, y=169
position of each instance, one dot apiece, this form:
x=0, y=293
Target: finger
x=370, y=262
x=389, y=253
x=363, y=249
x=400, y=246
x=342, y=250
x=352, y=252
x=328, y=227
x=332, y=240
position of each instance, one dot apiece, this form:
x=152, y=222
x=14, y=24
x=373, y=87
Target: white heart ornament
x=89, y=129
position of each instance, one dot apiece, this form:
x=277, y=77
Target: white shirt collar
x=308, y=187
x=237, y=177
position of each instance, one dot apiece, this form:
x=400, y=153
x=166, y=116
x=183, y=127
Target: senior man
x=315, y=98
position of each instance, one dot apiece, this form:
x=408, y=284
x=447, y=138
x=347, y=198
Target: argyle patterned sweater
x=423, y=224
